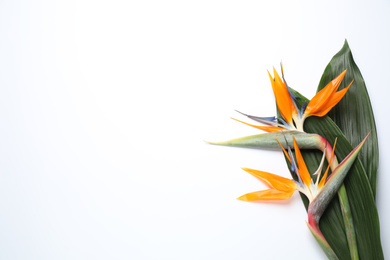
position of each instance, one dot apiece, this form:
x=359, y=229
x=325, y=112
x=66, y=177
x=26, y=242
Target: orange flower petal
x=283, y=98
x=318, y=103
x=264, y=128
x=302, y=169
x=270, y=194
x=334, y=100
x=284, y=150
x=274, y=181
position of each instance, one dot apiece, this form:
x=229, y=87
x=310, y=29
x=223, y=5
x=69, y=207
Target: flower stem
x=344, y=205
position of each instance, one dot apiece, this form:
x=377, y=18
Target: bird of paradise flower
x=323, y=190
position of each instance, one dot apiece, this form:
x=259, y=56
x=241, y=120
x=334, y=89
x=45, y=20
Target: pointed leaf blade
x=354, y=115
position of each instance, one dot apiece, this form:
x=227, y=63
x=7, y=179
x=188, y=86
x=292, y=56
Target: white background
x=105, y=106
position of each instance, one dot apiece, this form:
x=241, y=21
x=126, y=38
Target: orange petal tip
x=243, y=198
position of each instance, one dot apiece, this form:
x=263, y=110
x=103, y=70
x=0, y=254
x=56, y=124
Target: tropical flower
x=282, y=188
x=293, y=117
x=319, y=193
x=319, y=190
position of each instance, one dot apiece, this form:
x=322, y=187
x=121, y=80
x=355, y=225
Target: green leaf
x=361, y=199
x=353, y=114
